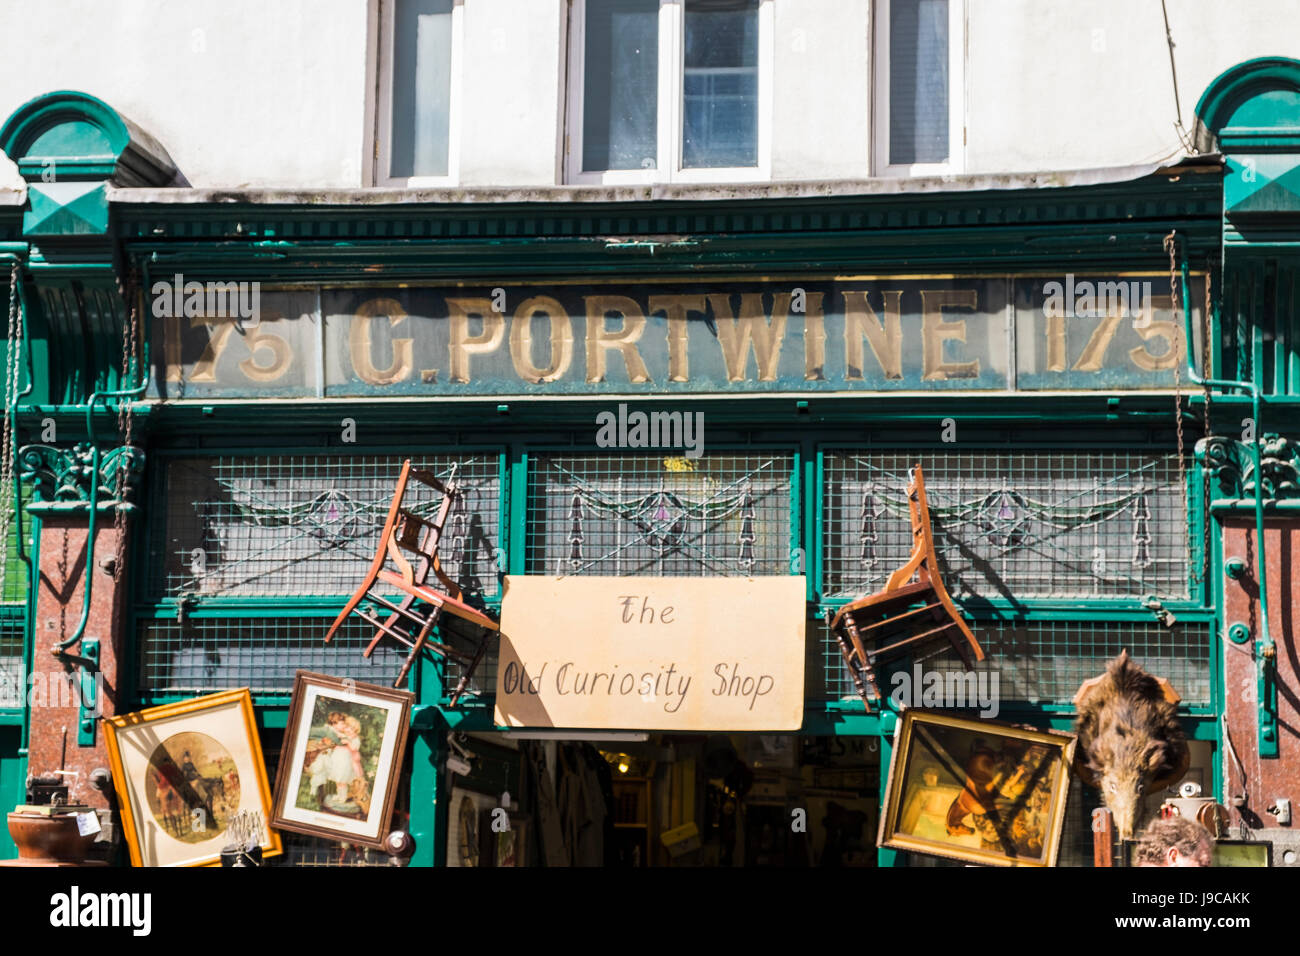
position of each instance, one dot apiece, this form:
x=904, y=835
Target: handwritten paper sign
x=652, y=653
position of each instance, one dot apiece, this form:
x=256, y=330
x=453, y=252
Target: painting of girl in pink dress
x=342, y=755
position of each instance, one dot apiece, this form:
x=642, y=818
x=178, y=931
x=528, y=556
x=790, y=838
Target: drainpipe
x=61, y=648
x=1265, y=648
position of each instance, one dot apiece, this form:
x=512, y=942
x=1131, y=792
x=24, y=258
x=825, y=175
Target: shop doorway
x=669, y=800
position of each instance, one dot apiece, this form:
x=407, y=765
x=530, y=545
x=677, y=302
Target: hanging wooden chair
x=422, y=604
x=912, y=612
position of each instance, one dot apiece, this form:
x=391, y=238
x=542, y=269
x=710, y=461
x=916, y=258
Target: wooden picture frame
x=510, y=845
x=181, y=771
x=470, y=840
x=976, y=791
x=340, y=765
x=1229, y=853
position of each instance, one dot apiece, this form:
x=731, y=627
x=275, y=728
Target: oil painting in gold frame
x=976, y=791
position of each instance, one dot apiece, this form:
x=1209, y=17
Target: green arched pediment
x=70, y=136
x=1253, y=106
x=1252, y=114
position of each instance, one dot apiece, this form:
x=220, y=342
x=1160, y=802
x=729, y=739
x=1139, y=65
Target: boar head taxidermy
x=1130, y=742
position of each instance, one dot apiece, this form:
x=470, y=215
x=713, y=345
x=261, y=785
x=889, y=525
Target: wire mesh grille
x=291, y=525
x=719, y=514
x=1044, y=662
x=462, y=634
x=262, y=654
x=13, y=586
x=1059, y=524
x=12, y=672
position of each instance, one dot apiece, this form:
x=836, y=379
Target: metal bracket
x=87, y=716
x=1265, y=687
x=1158, y=610
x=1266, y=697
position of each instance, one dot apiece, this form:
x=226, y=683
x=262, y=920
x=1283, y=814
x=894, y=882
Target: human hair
x=347, y=720
x=1191, y=841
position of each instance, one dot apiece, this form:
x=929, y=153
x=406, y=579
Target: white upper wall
x=821, y=120
x=246, y=93
x=1085, y=83
x=511, y=92
x=240, y=93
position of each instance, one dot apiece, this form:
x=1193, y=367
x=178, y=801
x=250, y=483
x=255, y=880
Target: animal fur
x=1130, y=741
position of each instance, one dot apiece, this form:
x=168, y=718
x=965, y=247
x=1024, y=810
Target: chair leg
x=851, y=663
x=468, y=673
x=347, y=609
x=417, y=646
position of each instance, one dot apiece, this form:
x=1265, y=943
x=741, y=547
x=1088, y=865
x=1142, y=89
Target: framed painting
x=1256, y=853
x=469, y=821
x=976, y=791
x=181, y=771
x=511, y=842
x=341, y=760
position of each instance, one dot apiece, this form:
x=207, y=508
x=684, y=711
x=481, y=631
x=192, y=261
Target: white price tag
x=88, y=823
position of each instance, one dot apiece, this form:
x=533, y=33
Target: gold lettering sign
x=751, y=329
x=652, y=653
x=847, y=335
x=521, y=339
x=361, y=343
x=935, y=329
x=463, y=345
x=599, y=339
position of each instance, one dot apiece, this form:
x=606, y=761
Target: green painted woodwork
x=1252, y=113
x=67, y=136
x=13, y=776
x=1252, y=107
x=66, y=209
x=76, y=314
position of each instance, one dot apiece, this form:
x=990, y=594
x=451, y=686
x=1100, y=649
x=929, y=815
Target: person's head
x=931, y=776
x=1175, y=841
x=344, y=724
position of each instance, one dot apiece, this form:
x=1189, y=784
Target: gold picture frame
x=976, y=791
x=181, y=771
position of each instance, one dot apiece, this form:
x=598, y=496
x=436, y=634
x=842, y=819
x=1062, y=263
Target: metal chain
x=1179, y=347
x=125, y=422
x=10, y=399
x=1207, y=345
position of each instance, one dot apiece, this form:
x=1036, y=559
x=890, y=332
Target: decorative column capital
x=1232, y=464
x=63, y=478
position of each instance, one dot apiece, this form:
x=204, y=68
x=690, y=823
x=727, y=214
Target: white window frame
x=383, y=152
x=671, y=89
x=956, y=96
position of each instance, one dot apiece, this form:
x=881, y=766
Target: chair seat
x=886, y=600
x=902, y=618
x=448, y=603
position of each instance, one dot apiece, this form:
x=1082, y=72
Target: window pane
x=620, y=85
x=727, y=514
x=918, y=81
x=421, y=87
x=720, y=101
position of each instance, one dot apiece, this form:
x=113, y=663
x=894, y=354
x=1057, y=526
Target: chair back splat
x=410, y=542
x=912, y=612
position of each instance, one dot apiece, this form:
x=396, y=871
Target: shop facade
x=800, y=350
